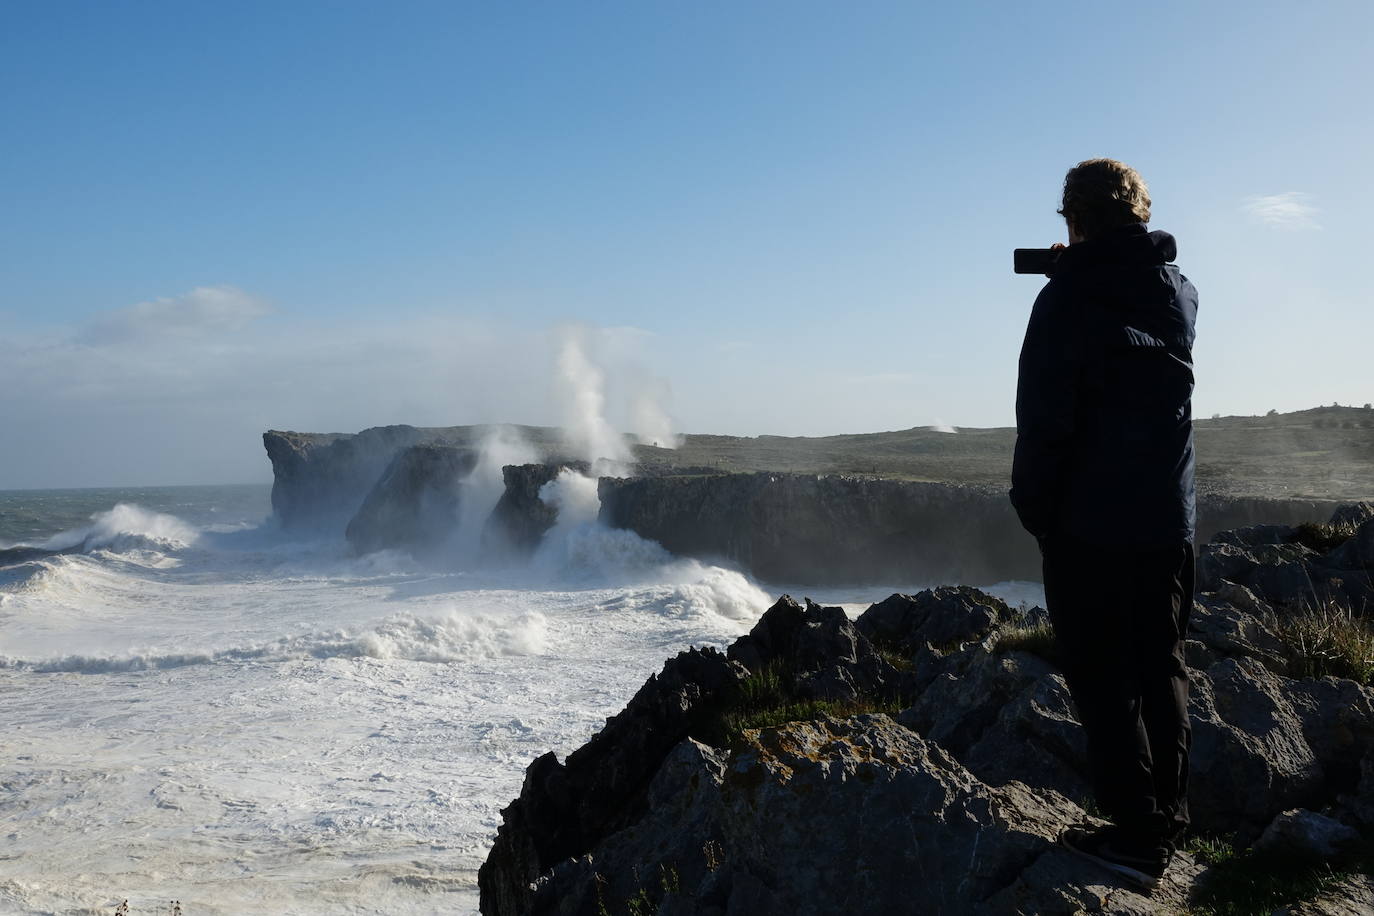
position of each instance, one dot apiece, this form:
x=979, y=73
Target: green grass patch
x=1210, y=850
x=643, y=903
x=769, y=698
x=1327, y=640
x=1324, y=538
x=804, y=711
x=896, y=659
x=1243, y=883
x=1037, y=639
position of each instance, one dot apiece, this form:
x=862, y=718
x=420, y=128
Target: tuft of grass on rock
x=1246, y=882
x=1324, y=538
x=1035, y=638
x=768, y=698
x=1328, y=640
x=1210, y=850
x=896, y=659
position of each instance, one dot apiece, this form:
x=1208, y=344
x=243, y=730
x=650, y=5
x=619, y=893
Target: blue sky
x=788, y=218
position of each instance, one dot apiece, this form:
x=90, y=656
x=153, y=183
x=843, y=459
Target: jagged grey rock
x=759, y=832
x=1282, y=573
x=759, y=828
x=964, y=698
x=824, y=655
x=1338, y=724
x=1227, y=631
x=1057, y=884
x=1357, y=553
x=1306, y=835
x=564, y=809
x=1276, y=572
x=1352, y=897
x=944, y=618
x=1035, y=739
x=1250, y=759
x=1358, y=805
x=1241, y=597
x=1256, y=535
x=1353, y=514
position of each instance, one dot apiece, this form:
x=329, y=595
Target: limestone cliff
x=319, y=480
x=414, y=504
x=822, y=529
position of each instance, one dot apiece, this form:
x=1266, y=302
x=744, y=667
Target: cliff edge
x=923, y=758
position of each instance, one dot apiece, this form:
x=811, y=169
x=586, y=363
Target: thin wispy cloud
x=204, y=311
x=179, y=389
x=1289, y=210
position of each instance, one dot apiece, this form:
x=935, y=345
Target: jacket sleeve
x=1047, y=396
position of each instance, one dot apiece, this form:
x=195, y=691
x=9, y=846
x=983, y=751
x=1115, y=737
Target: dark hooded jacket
x=1104, y=430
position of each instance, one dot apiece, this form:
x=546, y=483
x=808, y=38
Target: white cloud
x=1289, y=210
x=204, y=310
x=179, y=390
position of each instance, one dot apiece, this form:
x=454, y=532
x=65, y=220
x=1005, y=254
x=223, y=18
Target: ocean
x=199, y=706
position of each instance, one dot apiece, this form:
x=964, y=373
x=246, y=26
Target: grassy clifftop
x=1323, y=453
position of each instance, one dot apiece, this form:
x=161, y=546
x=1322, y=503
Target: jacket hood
x=1130, y=245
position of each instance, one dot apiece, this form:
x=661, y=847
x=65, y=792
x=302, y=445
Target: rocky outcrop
x=320, y=479
x=813, y=529
x=1353, y=896
x=414, y=504
x=944, y=795
x=566, y=808
x=763, y=834
x=944, y=617
x=1283, y=566
x=521, y=518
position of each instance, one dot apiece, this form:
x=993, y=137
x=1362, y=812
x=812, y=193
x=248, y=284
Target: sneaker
x=1142, y=866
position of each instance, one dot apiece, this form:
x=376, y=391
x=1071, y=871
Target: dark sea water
x=30, y=517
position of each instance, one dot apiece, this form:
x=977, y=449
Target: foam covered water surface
x=246, y=722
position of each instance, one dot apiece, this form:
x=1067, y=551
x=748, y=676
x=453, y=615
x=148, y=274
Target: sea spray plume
x=649, y=419
x=482, y=488
x=581, y=549
x=578, y=544
x=574, y=495
x=580, y=387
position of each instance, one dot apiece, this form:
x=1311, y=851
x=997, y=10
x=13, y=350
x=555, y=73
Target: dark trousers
x=1120, y=615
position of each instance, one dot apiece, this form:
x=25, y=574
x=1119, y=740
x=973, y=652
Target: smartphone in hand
x=1035, y=260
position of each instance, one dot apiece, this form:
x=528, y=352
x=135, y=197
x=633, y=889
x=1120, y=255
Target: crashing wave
x=405, y=637
x=126, y=528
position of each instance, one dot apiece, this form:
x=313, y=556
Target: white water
x=250, y=724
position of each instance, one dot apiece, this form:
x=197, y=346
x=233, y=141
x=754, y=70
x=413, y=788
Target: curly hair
x=1101, y=194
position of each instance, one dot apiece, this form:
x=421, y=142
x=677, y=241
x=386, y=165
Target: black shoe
x=1143, y=866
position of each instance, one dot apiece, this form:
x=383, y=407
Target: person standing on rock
x=1103, y=477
